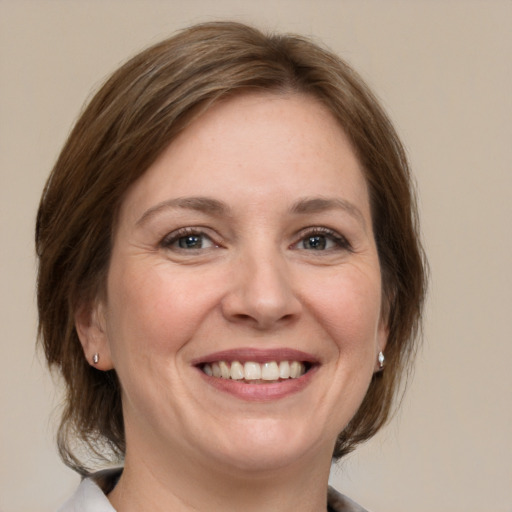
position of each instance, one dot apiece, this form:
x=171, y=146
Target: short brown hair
x=127, y=124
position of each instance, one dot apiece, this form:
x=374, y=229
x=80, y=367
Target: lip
x=259, y=392
x=257, y=355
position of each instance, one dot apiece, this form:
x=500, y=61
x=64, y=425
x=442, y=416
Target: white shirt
x=87, y=498
x=90, y=498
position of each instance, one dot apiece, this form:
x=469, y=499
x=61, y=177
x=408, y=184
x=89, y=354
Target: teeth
x=216, y=370
x=295, y=369
x=237, y=371
x=284, y=370
x=224, y=369
x=252, y=371
x=270, y=371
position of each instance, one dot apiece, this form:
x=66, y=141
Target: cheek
x=153, y=311
x=348, y=305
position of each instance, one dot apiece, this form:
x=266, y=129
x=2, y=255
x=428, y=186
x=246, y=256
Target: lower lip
x=260, y=392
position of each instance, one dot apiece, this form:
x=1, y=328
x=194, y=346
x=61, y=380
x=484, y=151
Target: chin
x=266, y=445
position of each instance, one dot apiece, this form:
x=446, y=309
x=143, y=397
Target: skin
x=253, y=280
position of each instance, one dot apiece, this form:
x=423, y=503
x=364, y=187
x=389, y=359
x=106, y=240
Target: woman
x=230, y=276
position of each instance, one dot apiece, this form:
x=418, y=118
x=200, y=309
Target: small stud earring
x=95, y=358
x=381, y=360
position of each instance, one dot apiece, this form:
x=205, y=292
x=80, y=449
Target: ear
x=382, y=340
x=91, y=327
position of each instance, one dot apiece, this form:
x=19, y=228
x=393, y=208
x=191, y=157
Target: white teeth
x=284, y=370
x=216, y=370
x=295, y=369
x=270, y=371
x=224, y=368
x=252, y=371
x=236, y=371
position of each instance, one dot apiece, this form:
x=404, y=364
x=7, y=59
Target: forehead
x=256, y=146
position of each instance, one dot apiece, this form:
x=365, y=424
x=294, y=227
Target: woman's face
x=247, y=251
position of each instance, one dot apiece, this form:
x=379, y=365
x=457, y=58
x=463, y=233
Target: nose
x=261, y=294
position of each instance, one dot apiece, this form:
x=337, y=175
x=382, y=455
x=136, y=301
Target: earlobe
x=382, y=339
x=90, y=325
x=381, y=360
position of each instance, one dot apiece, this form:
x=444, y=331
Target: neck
x=148, y=483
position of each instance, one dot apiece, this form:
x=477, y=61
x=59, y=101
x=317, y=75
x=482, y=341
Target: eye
x=316, y=243
x=187, y=239
x=322, y=239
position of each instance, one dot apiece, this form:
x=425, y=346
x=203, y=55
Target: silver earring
x=96, y=358
x=381, y=360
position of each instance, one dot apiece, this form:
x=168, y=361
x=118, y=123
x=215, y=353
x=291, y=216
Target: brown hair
x=127, y=124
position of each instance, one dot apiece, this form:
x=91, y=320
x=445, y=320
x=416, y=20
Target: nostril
x=263, y=322
x=243, y=316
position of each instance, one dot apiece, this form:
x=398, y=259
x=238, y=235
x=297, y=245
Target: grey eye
x=191, y=242
x=315, y=242
x=322, y=239
x=187, y=240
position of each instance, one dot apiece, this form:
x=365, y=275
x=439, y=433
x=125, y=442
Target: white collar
x=87, y=498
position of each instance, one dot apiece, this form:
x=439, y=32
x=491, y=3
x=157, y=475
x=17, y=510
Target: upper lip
x=257, y=355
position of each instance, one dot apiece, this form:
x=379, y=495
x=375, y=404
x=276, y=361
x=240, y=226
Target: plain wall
x=443, y=70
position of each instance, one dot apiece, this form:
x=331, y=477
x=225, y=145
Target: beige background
x=443, y=70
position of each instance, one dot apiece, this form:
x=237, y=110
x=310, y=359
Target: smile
x=256, y=373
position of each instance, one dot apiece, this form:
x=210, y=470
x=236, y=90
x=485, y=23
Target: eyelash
x=339, y=240
x=175, y=236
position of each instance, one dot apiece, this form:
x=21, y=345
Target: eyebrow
x=199, y=204
x=208, y=205
x=322, y=204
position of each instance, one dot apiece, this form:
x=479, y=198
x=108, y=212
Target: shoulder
x=90, y=495
x=339, y=503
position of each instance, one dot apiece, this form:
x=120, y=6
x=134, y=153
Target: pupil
x=190, y=242
x=316, y=242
